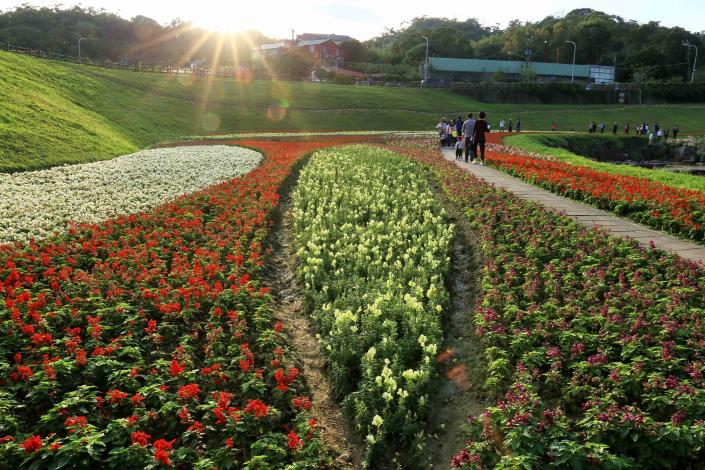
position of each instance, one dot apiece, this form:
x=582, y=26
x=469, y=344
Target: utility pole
x=79, y=49
x=545, y=45
x=572, y=71
x=425, y=64
x=695, y=62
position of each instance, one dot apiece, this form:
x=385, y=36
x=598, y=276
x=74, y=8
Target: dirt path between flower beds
x=584, y=214
x=288, y=306
x=461, y=372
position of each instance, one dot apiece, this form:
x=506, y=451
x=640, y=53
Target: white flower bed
x=39, y=203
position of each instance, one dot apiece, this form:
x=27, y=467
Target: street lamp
x=79, y=49
x=695, y=62
x=572, y=71
x=425, y=64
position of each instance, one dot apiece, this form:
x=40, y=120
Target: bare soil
x=461, y=365
x=289, y=307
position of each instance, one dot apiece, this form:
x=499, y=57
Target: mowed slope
x=53, y=113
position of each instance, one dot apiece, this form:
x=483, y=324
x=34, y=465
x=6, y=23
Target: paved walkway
x=584, y=214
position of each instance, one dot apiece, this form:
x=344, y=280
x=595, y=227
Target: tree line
x=112, y=38
x=639, y=51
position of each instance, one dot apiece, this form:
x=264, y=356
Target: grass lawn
x=53, y=113
x=537, y=143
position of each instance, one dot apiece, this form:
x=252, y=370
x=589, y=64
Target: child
x=459, y=146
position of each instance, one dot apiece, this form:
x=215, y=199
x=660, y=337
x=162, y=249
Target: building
x=484, y=70
x=323, y=51
x=339, y=38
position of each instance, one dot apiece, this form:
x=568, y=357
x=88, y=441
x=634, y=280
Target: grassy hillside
x=53, y=113
x=551, y=145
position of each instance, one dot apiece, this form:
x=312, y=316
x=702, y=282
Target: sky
x=364, y=19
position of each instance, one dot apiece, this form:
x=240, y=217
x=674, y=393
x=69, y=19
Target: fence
x=192, y=71
x=106, y=64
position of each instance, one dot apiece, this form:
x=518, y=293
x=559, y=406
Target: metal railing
x=191, y=71
x=107, y=64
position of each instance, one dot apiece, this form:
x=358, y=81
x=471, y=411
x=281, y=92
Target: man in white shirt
x=468, y=127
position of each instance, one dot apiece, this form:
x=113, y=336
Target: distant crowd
x=467, y=136
x=654, y=132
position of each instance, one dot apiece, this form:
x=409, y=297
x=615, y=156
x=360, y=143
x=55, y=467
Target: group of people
x=508, y=126
x=467, y=136
x=655, y=132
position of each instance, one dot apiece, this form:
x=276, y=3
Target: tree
x=294, y=63
x=355, y=51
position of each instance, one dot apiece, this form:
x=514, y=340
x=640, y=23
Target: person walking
x=459, y=148
x=510, y=125
x=675, y=131
x=441, y=132
x=602, y=127
x=518, y=125
x=614, y=128
x=459, y=126
x=478, y=137
x=665, y=134
x=501, y=125
x=468, y=127
x=626, y=129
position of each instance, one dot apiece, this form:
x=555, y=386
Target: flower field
x=148, y=340
x=39, y=203
x=594, y=347
x=676, y=210
x=373, y=249
x=146, y=336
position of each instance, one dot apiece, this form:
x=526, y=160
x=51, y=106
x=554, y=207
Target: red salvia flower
x=116, y=396
x=293, y=441
x=189, y=391
x=140, y=438
x=257, y=408
x=75, y=423
x=32, y=444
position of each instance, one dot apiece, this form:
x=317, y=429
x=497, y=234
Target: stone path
x=584, y=214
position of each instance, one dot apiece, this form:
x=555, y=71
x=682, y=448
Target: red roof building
x=323, y=51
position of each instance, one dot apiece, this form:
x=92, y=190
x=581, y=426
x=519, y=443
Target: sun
x=236, y=20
